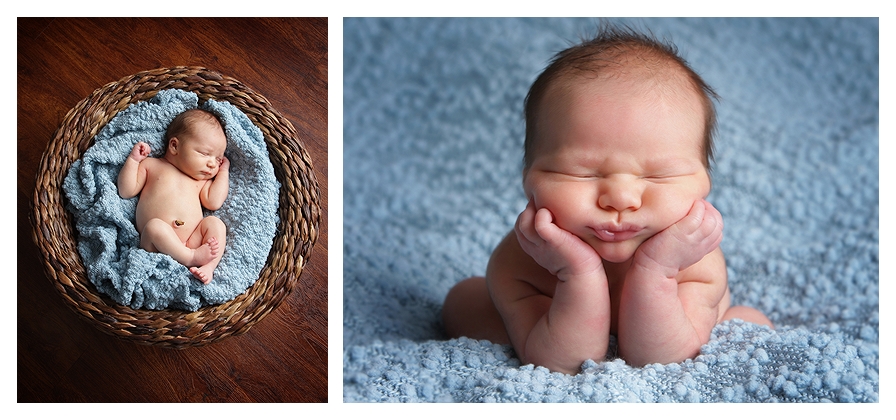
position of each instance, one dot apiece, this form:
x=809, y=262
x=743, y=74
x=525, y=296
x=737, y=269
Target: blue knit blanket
x=109, y=243
x=433, y=135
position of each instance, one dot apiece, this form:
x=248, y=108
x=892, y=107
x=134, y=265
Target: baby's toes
x=213, y=245
x=199, y=274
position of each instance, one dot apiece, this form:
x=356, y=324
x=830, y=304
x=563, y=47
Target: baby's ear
x=172, y=145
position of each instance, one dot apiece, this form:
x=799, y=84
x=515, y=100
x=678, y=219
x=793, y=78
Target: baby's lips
x=616, y=234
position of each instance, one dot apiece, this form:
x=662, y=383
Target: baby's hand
x=684, y=243
x=563, y=254
x=223, y=164
x=140, y=151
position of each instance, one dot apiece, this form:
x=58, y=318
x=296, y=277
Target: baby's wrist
x=654, y=265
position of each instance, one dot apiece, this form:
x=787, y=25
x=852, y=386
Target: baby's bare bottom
x=202, y=251
x=469, y=312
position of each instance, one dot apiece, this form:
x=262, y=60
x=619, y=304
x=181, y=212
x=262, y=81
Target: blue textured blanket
x=433, y=135
x=108, y=241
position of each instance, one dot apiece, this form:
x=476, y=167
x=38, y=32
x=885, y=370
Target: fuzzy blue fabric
x=433, y=134
x=108, y=241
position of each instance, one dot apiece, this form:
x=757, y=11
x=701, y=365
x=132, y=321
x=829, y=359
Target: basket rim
x=297, y=230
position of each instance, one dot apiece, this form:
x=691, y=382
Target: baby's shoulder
x=150, y=161
x=157, y=164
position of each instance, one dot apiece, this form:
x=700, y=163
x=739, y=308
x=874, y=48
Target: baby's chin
x=617, y=258
x=617, y=252
x=203, y=177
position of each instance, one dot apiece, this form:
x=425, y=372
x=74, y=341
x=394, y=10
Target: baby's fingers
x=140, y=151
x=712, y=224
x=694, y=219
x=545, y=227
x=703, y=224
x=712, y=214
x=525, y=230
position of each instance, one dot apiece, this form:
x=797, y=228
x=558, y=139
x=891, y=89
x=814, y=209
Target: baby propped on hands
x=173, y=189
x=617, y=237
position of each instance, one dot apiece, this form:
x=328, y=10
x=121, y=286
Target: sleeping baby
x=173, y=189
x=617, y=237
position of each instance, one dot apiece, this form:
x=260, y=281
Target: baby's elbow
x=212, y=204
x=552, y=365
x=125, y=194
x=212, y=200
x=553, y=360
x=670, y=354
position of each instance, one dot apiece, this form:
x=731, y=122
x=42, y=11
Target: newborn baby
x=617, y=237
x=173, y=189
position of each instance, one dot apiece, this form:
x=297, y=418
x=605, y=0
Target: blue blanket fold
x=433, y=134
x=108, y=241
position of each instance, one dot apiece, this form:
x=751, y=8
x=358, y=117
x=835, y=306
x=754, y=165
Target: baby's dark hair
x=608, y=53
x=185, y=120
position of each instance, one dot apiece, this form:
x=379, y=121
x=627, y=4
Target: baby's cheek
x=669, y=206
x=572, y=217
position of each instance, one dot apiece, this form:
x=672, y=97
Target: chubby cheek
x=571, y=204
x=674, y=204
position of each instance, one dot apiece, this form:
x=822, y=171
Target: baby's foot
x=204, y=273
x=206, y=253
x=206, y=260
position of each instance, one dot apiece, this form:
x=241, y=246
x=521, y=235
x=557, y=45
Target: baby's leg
x=159, y=236
x=211, y=233
x=470, y=312
x=748, y=314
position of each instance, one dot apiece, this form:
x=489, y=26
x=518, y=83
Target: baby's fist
x=140, y=151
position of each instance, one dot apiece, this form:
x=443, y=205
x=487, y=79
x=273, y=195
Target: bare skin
x=617, y=237
x=173, y=189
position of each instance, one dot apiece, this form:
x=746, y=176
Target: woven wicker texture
x=299, y=212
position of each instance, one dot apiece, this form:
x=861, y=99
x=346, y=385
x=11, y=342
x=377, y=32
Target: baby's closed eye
x=664, y=176
x=574, y=174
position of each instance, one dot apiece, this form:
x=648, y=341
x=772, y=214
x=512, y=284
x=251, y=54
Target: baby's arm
x=132, y=176
x=215, y=191
x=558, y=333
x=670, y=298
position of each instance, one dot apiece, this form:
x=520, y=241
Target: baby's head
x=192, y=121
x=621, y=53
x=196, y=143
x=618, y=141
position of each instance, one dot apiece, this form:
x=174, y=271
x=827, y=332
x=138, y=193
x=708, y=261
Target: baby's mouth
x=613, y=233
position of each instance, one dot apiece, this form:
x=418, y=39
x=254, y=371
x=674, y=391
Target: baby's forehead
x=207, y=132
x=575, y=92
x=206, y=128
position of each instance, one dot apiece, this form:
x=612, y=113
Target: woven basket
x=299, y=212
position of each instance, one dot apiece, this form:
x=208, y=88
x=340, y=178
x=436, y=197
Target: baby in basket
x=173, y=189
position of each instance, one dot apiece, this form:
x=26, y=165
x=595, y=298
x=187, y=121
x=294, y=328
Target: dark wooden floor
x=62, y=358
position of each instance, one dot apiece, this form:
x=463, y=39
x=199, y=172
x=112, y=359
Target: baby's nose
x=620, y=196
